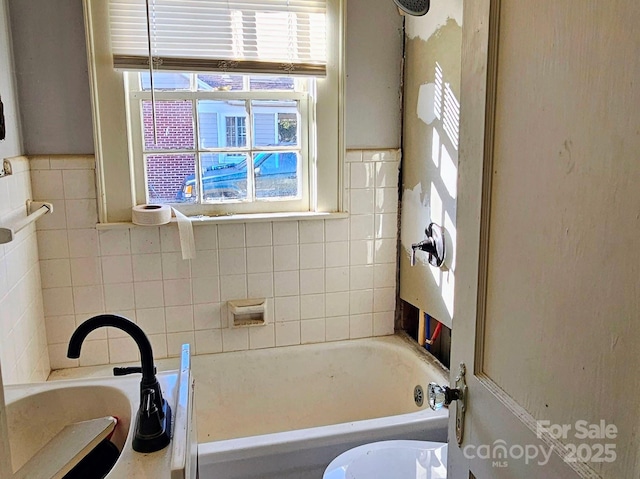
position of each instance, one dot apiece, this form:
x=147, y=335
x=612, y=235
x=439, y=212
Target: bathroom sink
x=34, y=419
x=391, y=460
x=38, y=412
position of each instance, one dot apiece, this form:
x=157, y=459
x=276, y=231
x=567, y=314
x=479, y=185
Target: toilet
x=391, y=460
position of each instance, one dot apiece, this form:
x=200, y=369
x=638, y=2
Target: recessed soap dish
x=247, y=312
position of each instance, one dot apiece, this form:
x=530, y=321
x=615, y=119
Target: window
x=253, y=128
x=204, y=142
x=236, y=131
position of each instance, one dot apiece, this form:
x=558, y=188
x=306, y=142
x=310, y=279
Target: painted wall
x=51, y=70
x=12, y=145
x=54, y=86
x=430, y=152
x=374, y=61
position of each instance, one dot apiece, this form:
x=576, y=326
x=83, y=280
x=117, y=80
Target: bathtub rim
x=308, y=438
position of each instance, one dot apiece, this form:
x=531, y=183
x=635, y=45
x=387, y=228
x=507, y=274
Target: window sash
x=139, y=152
x=245, y=36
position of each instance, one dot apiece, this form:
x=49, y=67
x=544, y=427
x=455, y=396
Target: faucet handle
x=433, y=245
x=129, y=370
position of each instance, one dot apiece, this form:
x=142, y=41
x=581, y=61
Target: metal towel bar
x=35, y=210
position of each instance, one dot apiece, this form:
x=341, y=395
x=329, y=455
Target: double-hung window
x=218, y=107
x=204, y=139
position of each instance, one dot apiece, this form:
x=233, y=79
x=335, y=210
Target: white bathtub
x=286, y=413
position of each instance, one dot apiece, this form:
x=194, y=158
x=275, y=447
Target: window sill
x=241, y=218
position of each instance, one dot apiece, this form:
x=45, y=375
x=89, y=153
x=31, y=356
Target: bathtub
x=288, y=412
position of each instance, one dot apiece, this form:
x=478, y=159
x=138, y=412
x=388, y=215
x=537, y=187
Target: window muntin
x=228, y=140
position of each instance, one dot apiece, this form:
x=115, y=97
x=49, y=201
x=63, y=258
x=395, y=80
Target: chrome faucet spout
x=153, y=423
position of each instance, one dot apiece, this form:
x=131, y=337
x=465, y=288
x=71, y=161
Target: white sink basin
x=54, y=415
x=37, y=412
x=391, y=460
x=34, y=419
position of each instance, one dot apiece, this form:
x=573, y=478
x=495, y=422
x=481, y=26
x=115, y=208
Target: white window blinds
x=244, y=36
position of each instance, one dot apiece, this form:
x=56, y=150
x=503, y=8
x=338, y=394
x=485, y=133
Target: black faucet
x=153, y=422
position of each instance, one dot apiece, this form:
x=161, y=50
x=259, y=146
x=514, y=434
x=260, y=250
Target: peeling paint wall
x=430, y=152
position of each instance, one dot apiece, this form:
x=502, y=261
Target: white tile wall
x=23, y=338
x=319, y=275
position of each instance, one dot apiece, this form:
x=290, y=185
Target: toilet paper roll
x=185, y=229
x=156, y=215
x=151, y=215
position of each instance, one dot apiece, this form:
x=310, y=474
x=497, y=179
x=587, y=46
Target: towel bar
x=35, y=210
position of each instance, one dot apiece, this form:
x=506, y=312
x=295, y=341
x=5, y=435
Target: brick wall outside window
x=174, y=126
x=166, y=174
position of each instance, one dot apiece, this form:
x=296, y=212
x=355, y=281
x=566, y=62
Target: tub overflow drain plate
x=418, y=395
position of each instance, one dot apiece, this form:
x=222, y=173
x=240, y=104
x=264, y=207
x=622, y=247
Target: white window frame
x=135, y=96
x=114, y=144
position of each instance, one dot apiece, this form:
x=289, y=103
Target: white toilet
x=391, y=460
